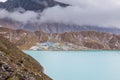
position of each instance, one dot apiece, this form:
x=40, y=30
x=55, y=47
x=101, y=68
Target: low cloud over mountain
x=87, y=12
x=25, y=17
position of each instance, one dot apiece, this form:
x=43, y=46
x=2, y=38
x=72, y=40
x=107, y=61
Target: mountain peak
x=32, y=5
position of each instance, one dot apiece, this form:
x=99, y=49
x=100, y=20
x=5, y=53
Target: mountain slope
x=15, y=65
x=62, y=28
x=73, y=40
x=56, y=27
x=33, y=5
x=89, y=39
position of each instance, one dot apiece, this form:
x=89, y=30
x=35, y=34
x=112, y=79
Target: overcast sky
x=85, y=12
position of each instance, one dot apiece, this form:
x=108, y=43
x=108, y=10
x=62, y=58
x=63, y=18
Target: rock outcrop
x=15, y=65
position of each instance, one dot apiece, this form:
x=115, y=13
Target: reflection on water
x=79, y=65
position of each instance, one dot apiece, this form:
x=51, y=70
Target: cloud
x=82, y=12
x=102, y=3
x=86, y=12
x=27, y=16
x=3, y=0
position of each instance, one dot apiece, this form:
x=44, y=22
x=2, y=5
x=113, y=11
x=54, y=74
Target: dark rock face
x=33, y=5
x=15, y=65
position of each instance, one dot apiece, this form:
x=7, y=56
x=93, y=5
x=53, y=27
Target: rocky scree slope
x=15, y=65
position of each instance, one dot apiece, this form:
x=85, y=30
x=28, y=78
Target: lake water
x=79, y=65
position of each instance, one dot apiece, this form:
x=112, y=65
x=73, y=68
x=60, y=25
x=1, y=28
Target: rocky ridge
x=84, y=39
x=56, y=27
x=15, y=65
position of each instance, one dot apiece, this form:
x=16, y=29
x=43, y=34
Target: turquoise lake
x=79, y=65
